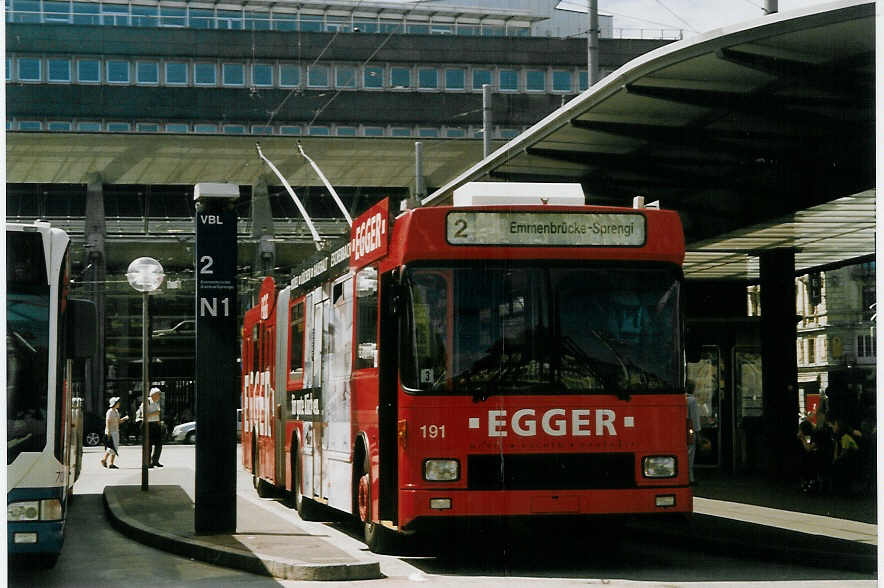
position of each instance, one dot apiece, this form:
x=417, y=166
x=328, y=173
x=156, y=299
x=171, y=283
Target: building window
x=147, y=72
x=147, y=127
x=400, y=77
x=29, y=69
x=428, y=133
x=173, y=17
x=373, y=77
x=202, y=18
x=87, y=13
x=480, y=78
x=262, y=74
x=427, y=78
x=262, y=130
x=59, y=70
x=205, y=128
x=118, y=127
x=204, y=74
x=176, y=73
x=345, y=76
x=317, y=76
x=318, y=131
x=257, y=21
x=117, y=71
x=583, y=80
x=866, y=346
x=345, y=131
x=115, y=14
x=811, y=350
x=233, y=74
x=234, y=129
x=8, y=68
x=508, y=133
x=535, y=80
x=561, y=81
x=508, y=80
x=455, y=133
x=455, y=79
x=400, y=131
x=88, y=71
x=177, y=128
x=289, y=76
x=30, y=125
x=228, y=19
x=373, y=131
x=59, y=126
x=88, y=126
x=289, y=130
x=311, y=22
x=868, y=297
x=145, y=16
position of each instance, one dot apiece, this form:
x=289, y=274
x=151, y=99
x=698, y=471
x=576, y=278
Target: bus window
x=428, y=321
x=256, y=346
x=367, y=318
x=296, y=346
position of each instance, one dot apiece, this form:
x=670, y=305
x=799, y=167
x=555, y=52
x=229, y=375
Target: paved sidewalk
x=266, y=543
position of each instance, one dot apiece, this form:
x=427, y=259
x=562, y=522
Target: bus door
x=280, y=386
x=335, y=397
x=313, y=431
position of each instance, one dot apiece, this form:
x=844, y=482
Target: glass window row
x=275, y=74
x=233, y=128
x=254, y=18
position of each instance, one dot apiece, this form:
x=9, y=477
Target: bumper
x=35, y=537
x=415, y=504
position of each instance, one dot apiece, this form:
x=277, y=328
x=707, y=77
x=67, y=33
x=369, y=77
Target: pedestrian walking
x=693, y=427
x=154, y=427
x=112, y=420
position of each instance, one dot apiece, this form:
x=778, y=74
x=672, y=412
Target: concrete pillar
x=95, y=276
x=779, y=371
x=262, y=229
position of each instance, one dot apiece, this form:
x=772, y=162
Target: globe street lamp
x=145, y=274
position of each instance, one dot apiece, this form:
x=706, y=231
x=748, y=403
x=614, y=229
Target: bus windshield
x=27, y=345
x=485, y=330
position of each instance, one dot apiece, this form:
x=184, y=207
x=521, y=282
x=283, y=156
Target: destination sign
x=556, y=229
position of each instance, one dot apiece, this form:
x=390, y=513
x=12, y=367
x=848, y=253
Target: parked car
x=186, y=432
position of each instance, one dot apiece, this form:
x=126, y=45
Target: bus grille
x=557, y=471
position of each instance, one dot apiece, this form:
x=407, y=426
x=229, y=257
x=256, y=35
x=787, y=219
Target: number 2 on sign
x=433, y=431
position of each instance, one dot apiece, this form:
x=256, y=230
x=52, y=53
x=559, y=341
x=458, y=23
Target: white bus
x=45, y=331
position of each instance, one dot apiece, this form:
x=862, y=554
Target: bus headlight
x=441, y=470
x=659, y=466
x=23, y=511
x=35, y=510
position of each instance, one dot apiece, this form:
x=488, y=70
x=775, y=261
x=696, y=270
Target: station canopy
x=760, y=135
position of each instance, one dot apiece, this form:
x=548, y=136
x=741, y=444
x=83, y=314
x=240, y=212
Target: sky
x=693, y=16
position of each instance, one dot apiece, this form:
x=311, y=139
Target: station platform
x=745, y=515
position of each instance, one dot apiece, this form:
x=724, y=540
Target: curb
x=255, y=563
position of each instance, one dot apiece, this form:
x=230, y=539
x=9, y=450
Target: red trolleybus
x=475, y=361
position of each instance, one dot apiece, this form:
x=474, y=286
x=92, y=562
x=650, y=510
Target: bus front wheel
x=378, y=538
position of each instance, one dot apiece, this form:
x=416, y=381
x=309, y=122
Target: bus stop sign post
x=216, y=351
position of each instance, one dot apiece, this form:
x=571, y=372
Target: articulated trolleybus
x=486, y=359
x=45, y=330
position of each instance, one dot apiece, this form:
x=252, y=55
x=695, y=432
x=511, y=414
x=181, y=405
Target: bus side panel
x=364, y=410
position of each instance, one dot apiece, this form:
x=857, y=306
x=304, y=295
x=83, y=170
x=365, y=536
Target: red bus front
x=533, y=380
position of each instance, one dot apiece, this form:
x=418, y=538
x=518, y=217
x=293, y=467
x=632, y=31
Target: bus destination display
x=601, y=229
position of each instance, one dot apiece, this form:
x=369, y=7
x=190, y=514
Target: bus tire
x=378, y=538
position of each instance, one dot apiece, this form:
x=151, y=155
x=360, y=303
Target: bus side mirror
x=81, y=329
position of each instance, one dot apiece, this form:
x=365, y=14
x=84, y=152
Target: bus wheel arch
x=378, y=538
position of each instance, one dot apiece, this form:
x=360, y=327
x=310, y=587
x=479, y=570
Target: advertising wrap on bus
x=474, y=361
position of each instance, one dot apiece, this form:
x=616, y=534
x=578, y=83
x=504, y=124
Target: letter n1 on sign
x=216, y=353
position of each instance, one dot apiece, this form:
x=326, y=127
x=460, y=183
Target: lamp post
x=145, y=274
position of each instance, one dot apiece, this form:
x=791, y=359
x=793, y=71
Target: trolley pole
x=216, y=351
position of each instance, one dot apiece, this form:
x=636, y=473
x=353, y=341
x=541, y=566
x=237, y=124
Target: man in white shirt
x=155, y=429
